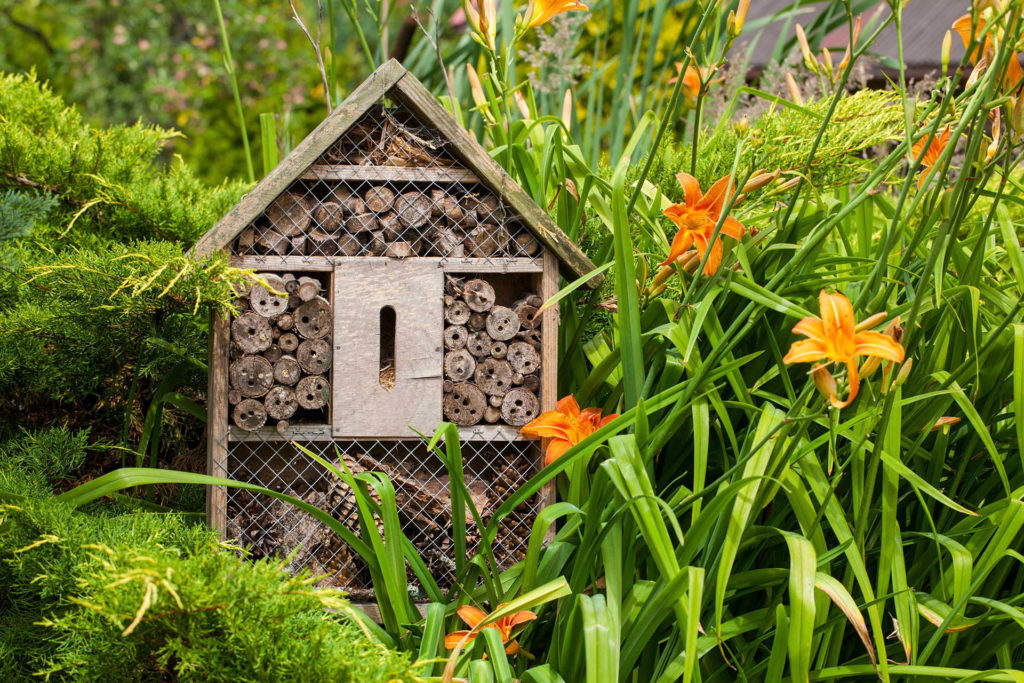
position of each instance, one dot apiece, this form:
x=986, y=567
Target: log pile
x=382, y=220
x=492, y=356
x=281, y=353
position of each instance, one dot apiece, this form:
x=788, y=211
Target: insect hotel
x=405, y=273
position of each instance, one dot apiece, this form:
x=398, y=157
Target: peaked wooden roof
x=393, y=81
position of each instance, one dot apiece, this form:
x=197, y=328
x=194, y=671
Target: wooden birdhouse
x=405, y=271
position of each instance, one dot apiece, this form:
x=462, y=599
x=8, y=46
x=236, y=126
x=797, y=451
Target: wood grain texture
x=362, y=407
x=448, y=265
x=411, y=93
x=397, y=174
x=217, y=421
x=549, y=362
x=308, y=151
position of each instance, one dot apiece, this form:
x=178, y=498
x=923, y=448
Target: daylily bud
x=825, y=383
x=944, y=423
x=805, y=48
x=904, y=372
x=662, y=276
x=826, y=57
x=742, y=127
x=689, y=261
x=993, y=146
x=759, y=180
x=730, y=27
x=1015, y=120
x=947, y=46
x=871, y=321
x=520, y=101
x=854, y=38
x=794, y=91
x=789, y=184
x=484, y=22
x=567, y=110
x=741, y=15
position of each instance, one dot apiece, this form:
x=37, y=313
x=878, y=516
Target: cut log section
x=519, y=407
x=526, y=243
x=250, y=415
x=322, y=243
x=234, y=397
x=252, y=376
x=455, y=337
x=251, y=332
x=465, y=405
x=412, y=209
x=492, y=414
x=499, y=350
x=287, y=371
x=527, y=315
x=486, y=240
x=479, y=344
x=493, y=376
x=313, y=319
x=314, y=356
x=479, y=295
x=456, y=313
x=477, y=321
x=264, y=302
x=373, y=243
x=399, y=250
x=313, y=392
x=308, y=288
x=531, y=383
x=288, y=342
x=350, y=202
x=289, y=214
x=273, y=354
x=502, y=324
x=363, y=222
x=523, y=358
x=271, y=241
x=280, y=403
x=329, y=216
x=459, y=365
x=379, y=199
x=285, y=321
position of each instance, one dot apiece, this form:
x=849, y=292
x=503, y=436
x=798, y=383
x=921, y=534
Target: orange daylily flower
x=932, y=154
x=697, y=217
x=692, y=79
x=835, y=337
x=473, y=616
x=540, y=12
x=985, y=52
x=566, y=426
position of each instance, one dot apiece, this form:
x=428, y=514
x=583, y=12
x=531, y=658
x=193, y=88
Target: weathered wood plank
x=411, y=93
x=294, y=433
x=549, y=359
x=363, y=406
x=398, y=174
x=448, y=265
x=309, y=150
x=217, y=421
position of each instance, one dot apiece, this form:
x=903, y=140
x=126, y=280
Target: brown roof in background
x=925, y=22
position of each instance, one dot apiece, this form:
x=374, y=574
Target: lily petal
x=556, y=449
x=714, y=258
x=549, y=425
x=854, y=381
x=691, y=188
x=733, y=228
x=471, y=615
x=452, y=640
x=805, y=351
x=811, y=327
x=836, y=317
x=568, y=406
x=680, y=243
x=869, y=343
x=716, y=196
x=520, y=618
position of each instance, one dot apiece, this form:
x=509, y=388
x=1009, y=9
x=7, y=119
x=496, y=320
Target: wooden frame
x=539, y=274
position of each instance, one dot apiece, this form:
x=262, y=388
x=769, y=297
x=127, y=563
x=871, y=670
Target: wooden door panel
x=413, y=289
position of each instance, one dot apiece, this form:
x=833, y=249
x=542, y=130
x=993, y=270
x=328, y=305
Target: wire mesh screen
x=269, y=527
x=388, y=187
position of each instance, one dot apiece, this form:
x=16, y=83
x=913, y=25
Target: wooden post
x=217, y=421
x=549, y=364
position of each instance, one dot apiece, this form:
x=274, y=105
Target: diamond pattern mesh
x=493, y=469
x=388, y=187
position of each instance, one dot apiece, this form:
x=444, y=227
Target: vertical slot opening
x=387, y=347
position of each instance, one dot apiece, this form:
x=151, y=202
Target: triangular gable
x=432, y=141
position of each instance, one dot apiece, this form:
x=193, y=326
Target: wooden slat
x=398, y=174
x=412, y=94
x=217, y=421
x=414, y=289
x=284, y=263
x=326, y=263
x=295, y=433
x=371, y=91
x=491, y=432
x=549, y=359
